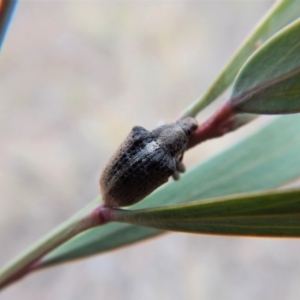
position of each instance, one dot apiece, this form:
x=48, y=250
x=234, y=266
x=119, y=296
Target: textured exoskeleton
x=144, y=161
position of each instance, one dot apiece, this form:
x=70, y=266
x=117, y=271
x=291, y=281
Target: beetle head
x=188, y=125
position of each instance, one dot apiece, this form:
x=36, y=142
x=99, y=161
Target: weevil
x=145, y=161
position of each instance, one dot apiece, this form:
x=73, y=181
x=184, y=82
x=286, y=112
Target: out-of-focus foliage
x=283, y=13
x=269, y=83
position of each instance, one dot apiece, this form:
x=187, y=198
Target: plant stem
x=222, y=122
x=96, y=214
x=225, y=120
x=91, y=216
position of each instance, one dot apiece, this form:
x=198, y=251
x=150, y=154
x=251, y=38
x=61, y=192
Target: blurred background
x=76, y=76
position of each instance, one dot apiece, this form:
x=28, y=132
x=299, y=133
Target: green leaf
x=267, y=214
x=263, y=161
x=282, y=13
x=269, y=82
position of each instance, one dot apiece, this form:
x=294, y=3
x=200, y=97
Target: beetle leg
x=172, y=166
x=176, y=175
x=180, y=158
x=180, y=167
x=179, y=164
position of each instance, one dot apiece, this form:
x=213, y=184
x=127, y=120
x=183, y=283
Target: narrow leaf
x=263, y=161
x=268, y=214
x=282, y=13
x=269, y=82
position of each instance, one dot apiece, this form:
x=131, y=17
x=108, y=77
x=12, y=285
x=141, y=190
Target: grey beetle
x=144, y=161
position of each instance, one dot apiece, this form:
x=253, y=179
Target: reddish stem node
x=222, y=122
